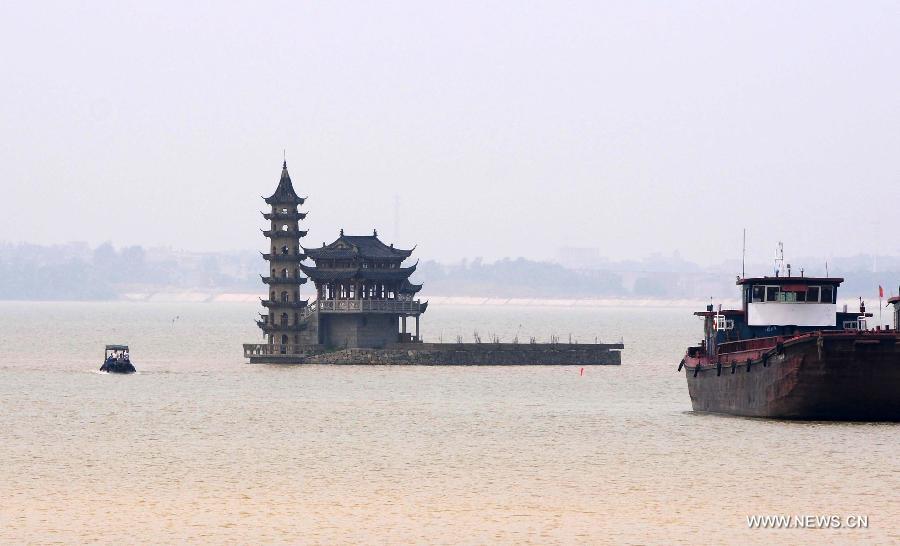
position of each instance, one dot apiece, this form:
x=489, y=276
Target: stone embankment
x=476, y=354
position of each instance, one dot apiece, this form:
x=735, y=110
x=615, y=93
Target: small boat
x=789, y=353
x=116, y=359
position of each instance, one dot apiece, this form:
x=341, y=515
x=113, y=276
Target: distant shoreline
x=470, y=301
x=474, y=301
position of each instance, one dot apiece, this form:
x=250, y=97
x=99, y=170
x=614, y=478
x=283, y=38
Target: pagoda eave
x=299, y=304
x=284, y=216
x=269, y=257
x=269, y=328
x=280, y=234
x=284, y=280
x=282, y=200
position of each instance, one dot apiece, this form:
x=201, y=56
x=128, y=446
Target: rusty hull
x=853, y=376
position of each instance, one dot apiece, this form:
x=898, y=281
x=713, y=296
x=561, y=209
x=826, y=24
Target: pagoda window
x=284, y=296
x=284, y=319
x=296, y=296
x=284, y=273
x=827, y=294
x=284, y=227
x=284, y=250
x=284, y=210
x=296, y=318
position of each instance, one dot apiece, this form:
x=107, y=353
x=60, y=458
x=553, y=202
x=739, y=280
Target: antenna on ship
x=744, y=256
x=779, y=259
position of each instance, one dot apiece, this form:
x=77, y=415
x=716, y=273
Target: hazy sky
x=504, y=128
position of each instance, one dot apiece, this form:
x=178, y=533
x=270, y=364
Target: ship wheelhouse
x=774, y=308
x=790, y=301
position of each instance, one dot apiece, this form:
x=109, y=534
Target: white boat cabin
x=790, y=301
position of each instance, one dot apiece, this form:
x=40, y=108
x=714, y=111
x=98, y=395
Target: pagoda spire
x=284, y=193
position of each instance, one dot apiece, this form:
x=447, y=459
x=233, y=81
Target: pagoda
x=363, y=293
x=283, y=324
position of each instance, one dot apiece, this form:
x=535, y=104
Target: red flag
x=880, y=291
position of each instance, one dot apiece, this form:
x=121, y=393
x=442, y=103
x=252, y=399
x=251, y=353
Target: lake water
x=201, y=447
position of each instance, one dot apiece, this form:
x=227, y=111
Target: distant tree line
x=76, y=271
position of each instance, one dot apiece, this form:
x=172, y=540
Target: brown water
x=201, y=447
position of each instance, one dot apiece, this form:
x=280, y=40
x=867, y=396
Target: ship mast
x=779, y=259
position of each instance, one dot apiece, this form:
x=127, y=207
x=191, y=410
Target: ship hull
x=852, y=377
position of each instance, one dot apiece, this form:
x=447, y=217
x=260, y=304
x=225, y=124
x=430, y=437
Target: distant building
x=579, y=257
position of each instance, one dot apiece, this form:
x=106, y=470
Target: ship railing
x=754, y=344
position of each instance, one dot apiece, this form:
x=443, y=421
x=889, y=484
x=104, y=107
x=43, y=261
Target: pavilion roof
x=357, y=246
x=407, y=287
x=318, y=274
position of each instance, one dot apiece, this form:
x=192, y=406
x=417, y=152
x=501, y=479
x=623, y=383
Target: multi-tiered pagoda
x=364, y=295
x=284, y=323
x=363, y=292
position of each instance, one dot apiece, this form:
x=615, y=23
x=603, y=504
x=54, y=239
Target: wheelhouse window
x=758, y=294
x=812, y=294
x=787, y=297
x=809, y=294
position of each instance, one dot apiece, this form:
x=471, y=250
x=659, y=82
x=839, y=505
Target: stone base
x=463, y=354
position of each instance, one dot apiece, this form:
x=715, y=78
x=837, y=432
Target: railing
x=266, y=349
x=374, y=306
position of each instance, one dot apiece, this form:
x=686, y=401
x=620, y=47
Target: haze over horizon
x=493, y=130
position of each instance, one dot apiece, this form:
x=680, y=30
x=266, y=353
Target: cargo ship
x=789, y=353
